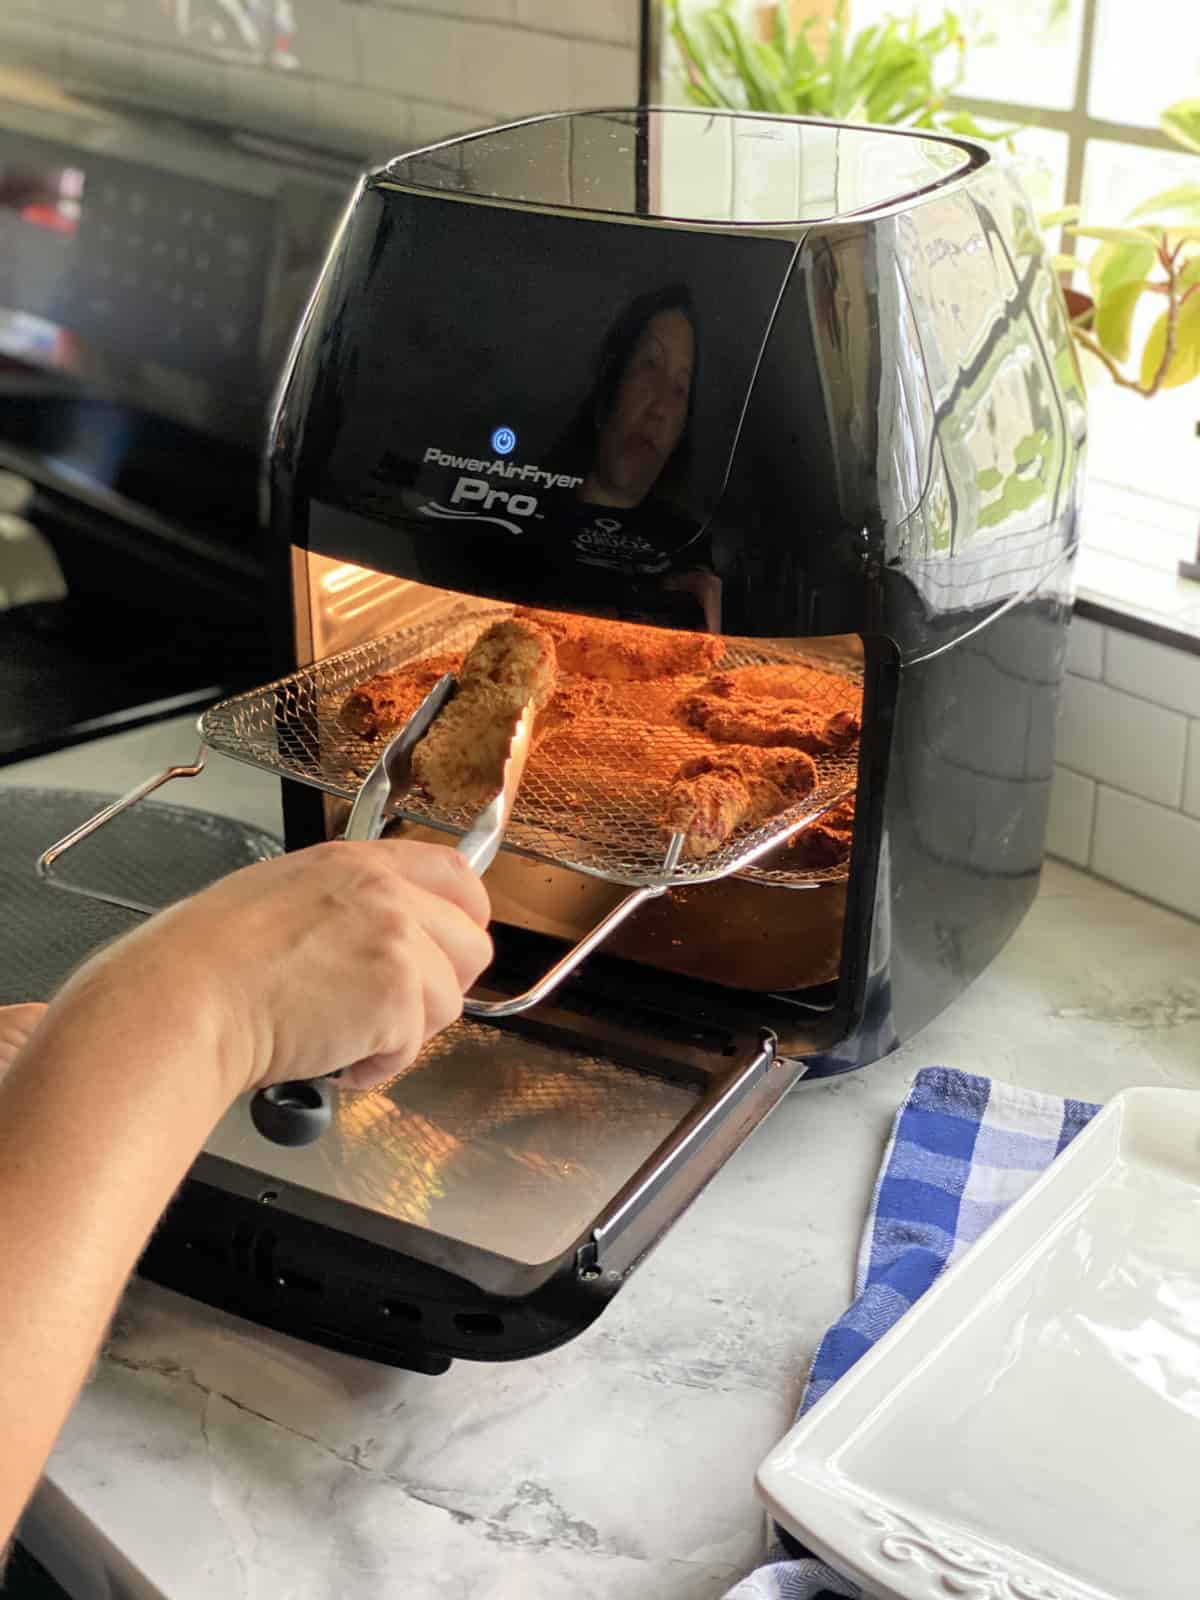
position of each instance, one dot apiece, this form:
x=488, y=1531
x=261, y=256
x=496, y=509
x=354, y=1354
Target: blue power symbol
x=504, y=441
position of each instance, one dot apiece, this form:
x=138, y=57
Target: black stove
x=151, y=274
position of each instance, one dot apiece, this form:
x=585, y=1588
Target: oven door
x=487, y=1204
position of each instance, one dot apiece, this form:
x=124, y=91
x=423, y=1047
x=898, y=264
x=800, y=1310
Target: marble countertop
x=208, y=1457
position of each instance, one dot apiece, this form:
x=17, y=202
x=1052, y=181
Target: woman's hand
x=343, y=955
x=16, y=1025
x=346, y=955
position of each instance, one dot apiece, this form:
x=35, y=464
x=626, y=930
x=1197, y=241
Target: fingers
x=16, y=1025
x=465, y=945
x=441, y=1003
x=441, y=871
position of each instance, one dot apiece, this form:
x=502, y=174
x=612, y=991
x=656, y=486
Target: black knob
x=293, y=1113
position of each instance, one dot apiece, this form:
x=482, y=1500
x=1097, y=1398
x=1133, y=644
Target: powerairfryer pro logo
x=477, y=497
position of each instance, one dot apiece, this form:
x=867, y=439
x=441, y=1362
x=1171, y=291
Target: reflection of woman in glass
x=641, y=409
x=632, y=446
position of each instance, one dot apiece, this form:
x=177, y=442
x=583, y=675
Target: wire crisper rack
x=584, y=807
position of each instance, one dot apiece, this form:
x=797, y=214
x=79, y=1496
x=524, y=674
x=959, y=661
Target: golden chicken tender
x=624, y=652
x=460, y=761
x=714, y=795
x=827, y=842
x=384, y=703
x=735, y=708
x=517, y=658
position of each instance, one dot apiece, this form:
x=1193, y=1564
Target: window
x=1087, y=80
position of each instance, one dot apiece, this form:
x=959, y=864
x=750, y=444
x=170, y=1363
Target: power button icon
x=504, y=441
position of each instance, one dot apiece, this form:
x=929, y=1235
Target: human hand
x=16, y=1025
x=345, y=955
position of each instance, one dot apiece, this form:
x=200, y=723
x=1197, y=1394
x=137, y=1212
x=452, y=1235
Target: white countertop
x=209, y=1458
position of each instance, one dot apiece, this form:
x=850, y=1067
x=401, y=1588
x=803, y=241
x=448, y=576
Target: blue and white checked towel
x=962, y=1150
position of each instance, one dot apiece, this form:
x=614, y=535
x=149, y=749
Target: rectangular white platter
x=1030, y=1430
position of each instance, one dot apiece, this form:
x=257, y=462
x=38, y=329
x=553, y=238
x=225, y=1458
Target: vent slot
x=478, y=1324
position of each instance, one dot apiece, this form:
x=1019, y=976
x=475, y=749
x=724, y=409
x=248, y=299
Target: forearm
x=100, y=1117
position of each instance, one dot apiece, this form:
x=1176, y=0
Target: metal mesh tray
x=582, y=803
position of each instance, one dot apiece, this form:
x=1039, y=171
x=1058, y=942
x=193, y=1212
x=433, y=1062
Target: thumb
x=16, y=1025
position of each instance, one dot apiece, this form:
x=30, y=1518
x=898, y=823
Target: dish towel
x=962, y=1149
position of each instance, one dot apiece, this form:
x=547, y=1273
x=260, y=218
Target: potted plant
x=1153, y=252
x=897, y=72
x=801, y=58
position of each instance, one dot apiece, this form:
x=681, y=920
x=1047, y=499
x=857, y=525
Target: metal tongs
x=297, y=1113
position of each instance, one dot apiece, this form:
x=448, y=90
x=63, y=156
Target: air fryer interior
x=745, y=932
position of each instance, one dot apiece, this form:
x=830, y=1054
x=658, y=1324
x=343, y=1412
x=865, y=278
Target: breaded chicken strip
x=624, y=652
x=516, y=657
x=731, y=713
x=827, y=842
x=384, y=703
x=715, y=795
x=460, y=761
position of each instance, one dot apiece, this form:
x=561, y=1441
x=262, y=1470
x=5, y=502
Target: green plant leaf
x=1183, y=197
x=1189, y=274
x=803, y=61
x=701, y=88
x=1049, y=219
x=1113, y=324
x=1185, y=362
x=963, y=122
x=989, y=478
x=894, y=71
x=1030, y=447
x=1116, y=264
x=1116, y=235
x=1181, y=122
x=781, y=32
x=758, y=88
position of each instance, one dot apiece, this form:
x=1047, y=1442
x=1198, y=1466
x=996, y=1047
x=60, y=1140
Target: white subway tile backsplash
x=1153, y=671
x=179, y=81
x=615, y=21
x=271, y=99
x=1146, y=848
x=512, y=72
x=478, y=10
x=147, y=21
x=1191, y=778
x=601, y=74
x=365, y=122
x=408, y=54
x=68, y=11
x=372, y=76
x=30, y=41
x=1085, y=648
x=431, y=123
x=1128, y=743
x=461, y=10
x=327, y=39
x=115, y=64
x=1072, y=808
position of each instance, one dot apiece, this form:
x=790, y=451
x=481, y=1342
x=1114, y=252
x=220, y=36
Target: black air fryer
x=804, y=388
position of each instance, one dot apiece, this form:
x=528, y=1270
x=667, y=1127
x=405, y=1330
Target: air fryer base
x=328, y=1287
x=339, y=1275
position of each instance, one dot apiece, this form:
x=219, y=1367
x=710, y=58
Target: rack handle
x=550, y=980
x=46, y=861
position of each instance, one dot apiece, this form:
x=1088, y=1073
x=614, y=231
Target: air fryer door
x=487, y=1204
